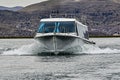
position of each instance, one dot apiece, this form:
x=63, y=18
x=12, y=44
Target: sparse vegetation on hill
x=101, y=16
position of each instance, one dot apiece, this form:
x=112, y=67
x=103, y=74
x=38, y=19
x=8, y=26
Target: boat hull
x=61, y=44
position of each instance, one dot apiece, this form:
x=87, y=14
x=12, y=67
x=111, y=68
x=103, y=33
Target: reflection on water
x=56, y=58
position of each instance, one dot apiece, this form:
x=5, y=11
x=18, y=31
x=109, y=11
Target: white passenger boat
x=62, y=35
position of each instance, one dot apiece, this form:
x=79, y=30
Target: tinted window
x=57, y=27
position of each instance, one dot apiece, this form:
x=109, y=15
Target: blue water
x=100, y=62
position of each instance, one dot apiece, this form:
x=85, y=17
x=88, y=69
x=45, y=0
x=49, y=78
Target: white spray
x=34, y=49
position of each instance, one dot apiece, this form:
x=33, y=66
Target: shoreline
x=16, y=37
x=104, y=36
x=33, y=37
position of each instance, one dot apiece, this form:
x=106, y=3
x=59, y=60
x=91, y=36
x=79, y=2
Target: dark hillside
x=102, y=16
x=11, y=8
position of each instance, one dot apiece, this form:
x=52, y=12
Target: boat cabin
x=63, y=25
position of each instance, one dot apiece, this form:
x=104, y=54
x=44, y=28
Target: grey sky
x=12, y=3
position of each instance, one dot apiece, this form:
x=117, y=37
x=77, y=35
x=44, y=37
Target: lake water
x=99, y=62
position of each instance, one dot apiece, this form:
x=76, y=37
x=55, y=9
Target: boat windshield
x=57, y=27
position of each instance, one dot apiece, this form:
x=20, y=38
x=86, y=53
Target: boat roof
x=57, y=19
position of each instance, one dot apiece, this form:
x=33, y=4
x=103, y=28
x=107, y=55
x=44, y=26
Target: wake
x=90, y=49
x=34, y=49
x=31, y=49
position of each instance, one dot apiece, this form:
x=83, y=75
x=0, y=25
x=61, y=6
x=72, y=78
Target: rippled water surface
x=101, y=62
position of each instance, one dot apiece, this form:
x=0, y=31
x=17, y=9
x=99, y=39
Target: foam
x=34, y=49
